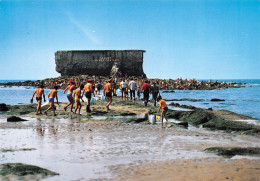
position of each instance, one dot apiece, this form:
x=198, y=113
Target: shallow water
x=245, y=100
x=86, y=150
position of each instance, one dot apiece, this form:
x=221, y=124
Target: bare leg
x=38, y=107
x=79, y=107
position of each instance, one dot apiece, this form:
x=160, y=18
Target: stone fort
x=100, y=62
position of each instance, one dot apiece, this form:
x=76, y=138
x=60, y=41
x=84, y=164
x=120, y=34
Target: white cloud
x=89, y=34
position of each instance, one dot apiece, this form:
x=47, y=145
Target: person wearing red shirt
x=146, y=89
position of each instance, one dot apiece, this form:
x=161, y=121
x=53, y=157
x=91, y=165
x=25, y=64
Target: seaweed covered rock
x=20, y=169
x=3, y=107
x=15, y=119
x=232, y=151
x=217, y=100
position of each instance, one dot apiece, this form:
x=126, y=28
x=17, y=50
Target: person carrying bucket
x=108, y=94
x=89, y=90
x=164, y=107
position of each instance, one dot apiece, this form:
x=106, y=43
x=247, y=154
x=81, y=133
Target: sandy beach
x=120, y=145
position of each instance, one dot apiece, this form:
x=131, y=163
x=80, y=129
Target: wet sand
x=90, y=148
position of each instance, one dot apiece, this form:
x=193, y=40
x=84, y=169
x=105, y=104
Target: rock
x=3, y=107
x=15, y=119
x=215, y=100
x=21, y=169
x=183, y=123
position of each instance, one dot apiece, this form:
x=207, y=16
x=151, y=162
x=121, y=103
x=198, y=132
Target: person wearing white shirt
x=132, y=86
x=123, y=86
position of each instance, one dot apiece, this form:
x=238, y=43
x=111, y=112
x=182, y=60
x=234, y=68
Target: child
x=77, y=95
x=51, y=97
x=39, y=92
x=164, y=107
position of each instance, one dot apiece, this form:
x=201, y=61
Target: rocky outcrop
x=100, y=62
x=3, y=107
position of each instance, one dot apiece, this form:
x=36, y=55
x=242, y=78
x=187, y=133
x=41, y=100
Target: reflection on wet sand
x=89, y=149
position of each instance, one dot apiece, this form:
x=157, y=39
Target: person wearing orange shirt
x=39, y=93
x=51, y=97
x=108, y=93
x=89, y=90
x=70, y=89
x=164, y=107
x=77, y=95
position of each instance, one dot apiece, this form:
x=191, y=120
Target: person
x=155, y=92
x=164, y=108
x=70, y=89
x=77, y=95
x=123, y=86
x=114, y=87
x=53, y=94
x=99, y=86
x=89, y=90
x=138, y=92
x=146, y=88
x=132, y=86
x=108, y=93
x=39, y=93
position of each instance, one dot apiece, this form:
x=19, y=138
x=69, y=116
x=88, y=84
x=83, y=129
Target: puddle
x=250, y=121
x=179, y=108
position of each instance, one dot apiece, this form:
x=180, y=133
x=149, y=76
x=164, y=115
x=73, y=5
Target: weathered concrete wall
x=99, y=62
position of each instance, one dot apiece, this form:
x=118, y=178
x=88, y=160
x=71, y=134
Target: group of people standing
x=109, y=91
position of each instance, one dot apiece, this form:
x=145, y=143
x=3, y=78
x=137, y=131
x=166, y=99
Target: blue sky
x=211, y=39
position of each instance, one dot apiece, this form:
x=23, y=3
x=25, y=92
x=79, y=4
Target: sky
x=203, y=39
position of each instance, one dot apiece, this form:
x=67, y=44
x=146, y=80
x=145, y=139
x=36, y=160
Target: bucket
x=92, y=100
x=158, y=118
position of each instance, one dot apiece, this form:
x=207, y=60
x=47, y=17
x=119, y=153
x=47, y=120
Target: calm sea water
x=244, y=100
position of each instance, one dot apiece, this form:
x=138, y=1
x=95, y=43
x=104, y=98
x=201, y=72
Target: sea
x=244, y=100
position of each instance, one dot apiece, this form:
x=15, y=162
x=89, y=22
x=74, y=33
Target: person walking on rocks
x=146, y=88
x=99, y=87
x=155, y=92
x=132, y=86
x=70, y=89
x=164, y=108
x=108, y=93
x=123, y=86
x=39, y=93
x=88, y=90
x=53, y=94
x=77, y=95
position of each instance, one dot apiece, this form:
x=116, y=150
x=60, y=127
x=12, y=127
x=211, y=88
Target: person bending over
x=164, y=108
